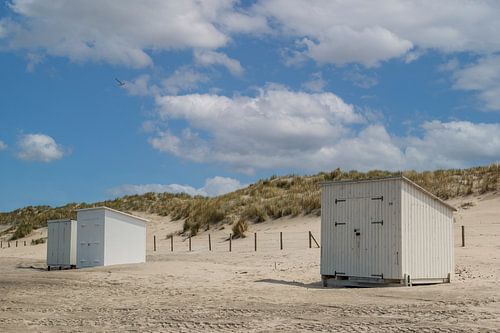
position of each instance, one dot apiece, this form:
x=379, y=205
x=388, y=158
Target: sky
x=102, y=98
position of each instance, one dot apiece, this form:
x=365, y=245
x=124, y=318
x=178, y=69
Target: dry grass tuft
x=239, y=229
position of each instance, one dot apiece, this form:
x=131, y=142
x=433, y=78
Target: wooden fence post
x=255, y=241
x=463, y=236
x=311, y=237
x=281, y=240
x=24, y=243
x=310, y=241
x=16, y=243
x=172, y=243
x=154, y=243
x=209, y=243
x=8, y=244
x=230, y=242
x=189, y=243
x=1, y=244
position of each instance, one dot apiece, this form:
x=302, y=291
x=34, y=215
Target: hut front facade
x=385, y=231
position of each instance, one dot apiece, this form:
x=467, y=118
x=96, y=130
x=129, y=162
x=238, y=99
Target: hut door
x=357, y=214
x=366, y=235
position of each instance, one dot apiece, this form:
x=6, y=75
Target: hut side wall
x=427, y=235
x=125, y=241
x=376, y=250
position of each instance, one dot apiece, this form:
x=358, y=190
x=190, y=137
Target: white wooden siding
x=427, y=230
x=90, y=238
x=375, y=251
x=125, y=239
x=110, y=237
x=416, y=237
x=61, y=243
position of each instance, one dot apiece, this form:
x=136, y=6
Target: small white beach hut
x=385, y=231
x=109, y=237
x=61, y=244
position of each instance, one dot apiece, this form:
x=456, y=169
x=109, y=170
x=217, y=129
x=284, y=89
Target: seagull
x=120, y=83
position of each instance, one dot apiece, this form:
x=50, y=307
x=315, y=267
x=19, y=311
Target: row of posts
x=8, y=244
x=311, y=239
x=230, y=239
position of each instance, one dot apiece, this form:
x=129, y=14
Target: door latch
x=357, y=231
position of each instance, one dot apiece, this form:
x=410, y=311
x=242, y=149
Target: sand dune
x=243, y=290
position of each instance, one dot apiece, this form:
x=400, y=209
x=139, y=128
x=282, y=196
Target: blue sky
x=219, y=94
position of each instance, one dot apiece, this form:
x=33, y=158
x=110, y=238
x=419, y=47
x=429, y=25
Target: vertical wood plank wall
x=377, y=250
x=427, y=227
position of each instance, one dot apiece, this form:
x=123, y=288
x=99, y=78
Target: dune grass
x=267, y=199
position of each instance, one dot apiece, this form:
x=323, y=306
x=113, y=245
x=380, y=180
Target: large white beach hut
x=109, y=237
x=386, y=230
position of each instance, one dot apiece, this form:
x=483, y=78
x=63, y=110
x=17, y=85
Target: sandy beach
x=267, y=290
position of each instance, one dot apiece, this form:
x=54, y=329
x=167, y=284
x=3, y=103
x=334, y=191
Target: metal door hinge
x=339, y=200
x=381, y=198
x=339, y=223
x=378, y=222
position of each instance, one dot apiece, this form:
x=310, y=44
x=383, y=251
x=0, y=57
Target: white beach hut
x=61, y=243
x=109, y=237
x=385, y=231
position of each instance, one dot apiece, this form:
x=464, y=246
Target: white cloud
x=339, y=32
x=33, y=59
x=39, y=147
x=184, y=79
x=453, y=144
x=368, y=32
x=368, y=46
x=316, y=83
x=213, y=187
x=361, y=80
x=280, y=128
x=483, y=77
x=3, y=145
x=140, y=86
x=208, y=58
x=123, y=32
x=221, y=185
x=253, y=132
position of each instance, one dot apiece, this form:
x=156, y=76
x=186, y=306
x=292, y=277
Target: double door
x=358, y=236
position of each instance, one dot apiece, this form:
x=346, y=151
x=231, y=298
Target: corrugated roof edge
x=115, y=211
x=392, y=178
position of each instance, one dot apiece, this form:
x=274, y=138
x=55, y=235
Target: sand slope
x=265, y=291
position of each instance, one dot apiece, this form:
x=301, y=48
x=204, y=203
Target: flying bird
x=120, y=83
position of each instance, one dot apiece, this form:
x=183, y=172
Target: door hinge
x=339, y=200
x=381, y=198
x=339, y=223
x=378, y=222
